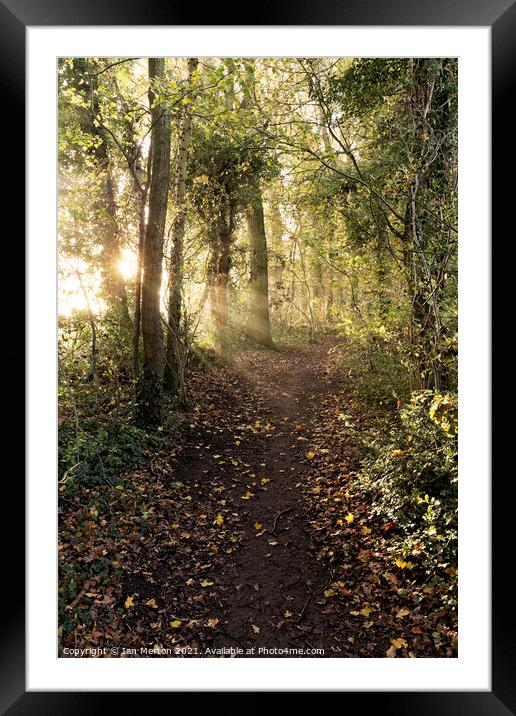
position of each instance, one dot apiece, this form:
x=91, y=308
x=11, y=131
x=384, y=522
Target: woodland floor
x=235, y=535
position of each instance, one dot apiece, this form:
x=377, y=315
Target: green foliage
x=101, y=449
x=376, y=372
x=97, y=438
x=368, y=83
x=230, y=164
x=411, y=472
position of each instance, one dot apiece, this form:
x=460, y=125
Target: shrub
x=411, y=473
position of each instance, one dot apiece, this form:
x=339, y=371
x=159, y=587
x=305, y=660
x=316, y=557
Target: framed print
x=258, y=368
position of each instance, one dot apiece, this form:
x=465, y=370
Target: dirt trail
x=276, y=580
x=251, y=580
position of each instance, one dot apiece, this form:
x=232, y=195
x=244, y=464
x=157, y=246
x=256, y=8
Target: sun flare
x=127, y=264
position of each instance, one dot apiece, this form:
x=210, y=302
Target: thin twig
x=283, y=512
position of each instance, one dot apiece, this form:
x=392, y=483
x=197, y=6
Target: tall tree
x=150, y=385
x=85, y=81
x=175, y=357
x=258, y=327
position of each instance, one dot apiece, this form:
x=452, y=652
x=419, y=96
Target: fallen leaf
x=151, y=603
x=175, y=624
x=129, y=602
x=399, y=643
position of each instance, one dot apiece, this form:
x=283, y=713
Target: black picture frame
x=500, y=16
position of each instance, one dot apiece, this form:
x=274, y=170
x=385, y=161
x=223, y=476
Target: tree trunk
x=426, y=321
x=258, y=327
x=150, y=385
x=141, y=190
x=175, y=357
x=142, y=201
x=221, y=236
x=108, y=229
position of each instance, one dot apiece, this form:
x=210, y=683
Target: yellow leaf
x=366, y=530
x=205, y=583
x=129, y=602
x=401, y=564
x=60, y=632
x=189, y=581
x=402, y=613
x=255, y=628
x=287, y=614
x=175, y=624
x=398, y=453
x=258, y=525
x=349, y=518
x=219, y=520
x=329, y=593
x=366, y=611
x=264, y=480
x=399, y=643
x=347, y=495
x=247, y=495
x=310, y=455
x=151, y=603
x=233, y=538
x=174, y=526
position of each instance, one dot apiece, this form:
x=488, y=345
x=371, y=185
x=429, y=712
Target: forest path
x=228, y=546
x=276, y=579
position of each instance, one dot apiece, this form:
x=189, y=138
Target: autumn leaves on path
x=225, y=559
x=243, y=536
x=275, y=579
